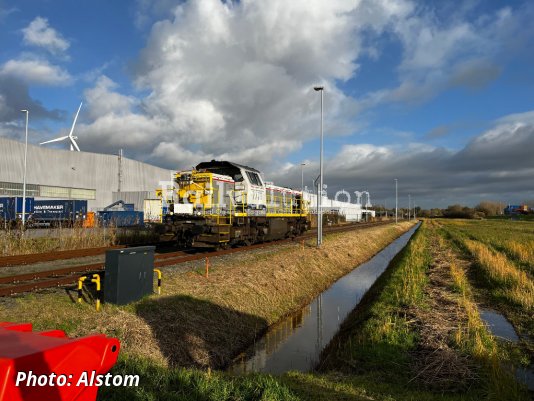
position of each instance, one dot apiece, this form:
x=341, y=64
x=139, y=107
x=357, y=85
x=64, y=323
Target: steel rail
x=17, y=260
x=161, y=260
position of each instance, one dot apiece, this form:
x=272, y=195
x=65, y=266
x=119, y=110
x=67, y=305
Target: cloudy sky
x=437, y=94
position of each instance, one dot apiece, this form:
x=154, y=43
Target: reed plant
x=23, y=242
x=514, y=283
x=473, y=338
x=522, y=252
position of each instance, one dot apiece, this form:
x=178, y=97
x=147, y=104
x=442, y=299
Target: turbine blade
x=55, y=140
x=75, y=118
x=75, y=144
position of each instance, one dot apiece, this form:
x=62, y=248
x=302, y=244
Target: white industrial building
x=351, y=211
x=103, y=179
x=62, y=174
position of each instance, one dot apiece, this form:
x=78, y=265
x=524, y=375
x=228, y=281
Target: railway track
x=18, y=260
x=27, y=282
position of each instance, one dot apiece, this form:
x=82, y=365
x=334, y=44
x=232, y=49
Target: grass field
x=503, y=256
x=416, y=335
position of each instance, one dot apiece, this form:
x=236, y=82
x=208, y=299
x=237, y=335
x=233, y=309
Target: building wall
x=352, y=211
x=98, y=173
x=135, y=197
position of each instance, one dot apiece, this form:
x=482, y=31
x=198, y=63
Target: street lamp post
x=409, y=207
x=320, y=192
x=24, y=175
x=396, y=202
x=302, y=177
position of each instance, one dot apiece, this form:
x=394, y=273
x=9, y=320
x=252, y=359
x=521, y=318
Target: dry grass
x=457, y=342
x=517, y=286
x=522, y=251
x=438, y=362
x=459, y=279
x=17, y=242
x=202, y=321
x=473, y=337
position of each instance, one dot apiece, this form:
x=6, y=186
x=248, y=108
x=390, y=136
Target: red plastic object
x=51, y=353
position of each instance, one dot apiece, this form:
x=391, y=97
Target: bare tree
x=489, y=208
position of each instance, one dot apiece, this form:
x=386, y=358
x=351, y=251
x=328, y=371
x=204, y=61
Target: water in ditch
x=295, y=343
x=498, y=325
x=501, y=328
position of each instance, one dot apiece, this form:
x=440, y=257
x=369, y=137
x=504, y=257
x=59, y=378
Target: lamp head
x=318, y=88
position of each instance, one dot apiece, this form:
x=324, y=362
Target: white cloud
x=39, y=33
x=102, y=99
x=235, y=79
x=453, y=51
x=521, y=118
x=494, y=165
x=35, y=71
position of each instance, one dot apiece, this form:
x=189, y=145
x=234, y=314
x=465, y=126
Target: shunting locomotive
x=221, y=204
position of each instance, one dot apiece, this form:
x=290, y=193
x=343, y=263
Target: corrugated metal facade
x=80, y=170
x=135, y=197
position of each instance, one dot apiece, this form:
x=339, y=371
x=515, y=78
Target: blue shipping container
x=121, y=218
x=9, y=212
x=59, y=210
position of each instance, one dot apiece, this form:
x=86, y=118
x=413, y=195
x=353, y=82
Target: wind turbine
x=72, y=138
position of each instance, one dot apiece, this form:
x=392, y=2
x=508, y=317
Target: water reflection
x=498, y=325
x=296, y=343
x=501, y=328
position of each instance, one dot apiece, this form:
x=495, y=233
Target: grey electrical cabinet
x=129, y=274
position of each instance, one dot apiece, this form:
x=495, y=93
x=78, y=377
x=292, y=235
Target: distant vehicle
x=120, y=214
x=121, y=218
x=59, y=212
x=517, y=209
x=11, y=210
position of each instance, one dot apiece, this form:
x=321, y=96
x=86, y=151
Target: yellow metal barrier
x=96, y=280
x=158, y=271
x=80, y=288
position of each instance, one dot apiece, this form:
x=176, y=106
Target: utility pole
x=302, y=177
x=409, y=207
x=120, y=171
x=396, y=202
x=320, y=191
x=24, y=175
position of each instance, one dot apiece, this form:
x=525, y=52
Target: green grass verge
x=179, y=384
x=378, y=336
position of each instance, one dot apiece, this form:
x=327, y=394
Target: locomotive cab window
x=254, y=178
